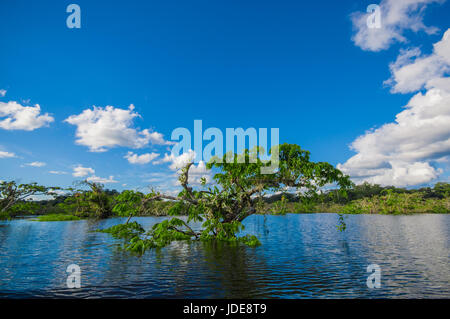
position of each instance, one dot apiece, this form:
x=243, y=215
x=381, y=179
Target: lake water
x=301, y=256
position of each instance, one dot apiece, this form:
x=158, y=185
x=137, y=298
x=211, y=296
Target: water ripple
x=302, y=256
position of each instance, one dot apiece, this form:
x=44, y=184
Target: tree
x=75, y=203
x=441, y=190
x=129, y=203
x=97, y=199
x=13, y=195
x=239, y=187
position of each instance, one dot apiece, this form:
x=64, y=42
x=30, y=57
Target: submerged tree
x=89, y=199
x=238, y=190
x=94, y=201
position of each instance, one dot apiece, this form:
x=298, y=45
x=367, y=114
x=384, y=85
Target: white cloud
x=96, y=179
x=397, y=16
x=140, y=159
x=404, y=152
x=4, y=154
x=58, y=172
x=103, y=128
x=2, y=93
x=412, y=71
x=158, y=139
x=36, y=164
x=14, y=116
x=81, y=171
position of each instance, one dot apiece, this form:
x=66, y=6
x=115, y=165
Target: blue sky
x=293, y=65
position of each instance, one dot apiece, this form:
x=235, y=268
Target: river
x=301, y=256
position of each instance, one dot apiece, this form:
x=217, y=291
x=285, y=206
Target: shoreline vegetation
x=243, y=185
x=361, y=199
x=56, y=217
x=367, y=199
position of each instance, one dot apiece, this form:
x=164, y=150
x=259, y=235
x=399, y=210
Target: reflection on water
x=302, y=256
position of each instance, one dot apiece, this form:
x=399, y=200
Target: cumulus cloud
x=396, y=17
x=158, y=139
x=404, y=153
x=103, y=128
x=4, y=154
x=36, y=164
x=413, y=71
x=96, y=179
x=14, y=116
x=80, y=171
x=2, y=93
x=140, y=159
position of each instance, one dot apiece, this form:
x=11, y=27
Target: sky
x=100, y=102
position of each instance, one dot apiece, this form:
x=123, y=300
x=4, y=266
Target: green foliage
x=138, y=245
x=177, y=209
x=13, y=197
x=128, y=203
x=5, y=215
x=371, y=199
x=391, y=202
x=342, y=226
x=22, y=208
x=76, y=204
x=169, y=230
x=280, y=207
x=56, y=217
x=351, y=208
x=250, y=240
x=99, y=202
x=126, y=231
x=304, y=206
x=94, y=201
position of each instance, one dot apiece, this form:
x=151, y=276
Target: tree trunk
x=129, y=217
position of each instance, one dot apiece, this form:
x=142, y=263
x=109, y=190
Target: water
x=302, y=256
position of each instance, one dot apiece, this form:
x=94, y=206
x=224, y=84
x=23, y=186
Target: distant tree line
x=94, y=201
x=364, y=199
x=440, y=190
x=86, y=200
